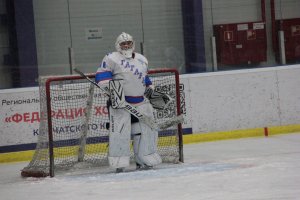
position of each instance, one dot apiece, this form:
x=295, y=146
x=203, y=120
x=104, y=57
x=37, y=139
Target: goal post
x=74, y=123
x=174, y=91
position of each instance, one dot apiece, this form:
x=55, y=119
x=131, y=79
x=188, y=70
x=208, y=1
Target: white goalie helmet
x=125, y=44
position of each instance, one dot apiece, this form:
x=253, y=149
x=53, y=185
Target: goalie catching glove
x=158, y=100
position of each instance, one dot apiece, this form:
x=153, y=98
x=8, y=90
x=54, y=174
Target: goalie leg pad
x=119, y=138
x=145, y=144
x=135, y=128
x=145, y=150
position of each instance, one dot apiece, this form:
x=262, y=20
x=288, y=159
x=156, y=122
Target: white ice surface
x=244, y=169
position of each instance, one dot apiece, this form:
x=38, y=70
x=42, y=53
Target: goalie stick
x=135, y=111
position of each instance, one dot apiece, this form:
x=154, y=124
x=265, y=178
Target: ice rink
x=243, y=169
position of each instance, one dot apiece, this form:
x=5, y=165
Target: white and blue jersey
x=133, y=72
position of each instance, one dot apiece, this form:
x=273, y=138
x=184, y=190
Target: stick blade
x=171, y=122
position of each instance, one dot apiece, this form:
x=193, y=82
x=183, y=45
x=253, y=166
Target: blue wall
x=193, y=36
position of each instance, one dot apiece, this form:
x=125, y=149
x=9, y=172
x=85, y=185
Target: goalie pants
x=144, y=139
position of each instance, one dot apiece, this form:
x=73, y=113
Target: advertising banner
x=20, y=117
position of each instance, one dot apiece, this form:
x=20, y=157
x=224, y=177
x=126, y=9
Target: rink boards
x=216, y=105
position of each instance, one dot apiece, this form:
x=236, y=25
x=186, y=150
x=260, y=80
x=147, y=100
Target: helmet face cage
x=125, y=44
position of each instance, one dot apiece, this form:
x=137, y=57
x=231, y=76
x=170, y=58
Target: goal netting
x=74, y=123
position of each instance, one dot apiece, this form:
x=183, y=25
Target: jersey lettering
x=139, y=74
x=127, y=65
x=127, y=69
x=103, y=65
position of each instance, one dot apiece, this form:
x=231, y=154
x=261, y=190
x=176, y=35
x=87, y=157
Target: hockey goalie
x=123, y=74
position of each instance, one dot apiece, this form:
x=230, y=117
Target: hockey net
x=74, y=123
